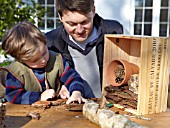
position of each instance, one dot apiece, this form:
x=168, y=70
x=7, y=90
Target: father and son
x=66, y=62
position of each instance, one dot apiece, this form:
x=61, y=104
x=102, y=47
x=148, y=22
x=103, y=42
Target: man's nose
x=79, y=28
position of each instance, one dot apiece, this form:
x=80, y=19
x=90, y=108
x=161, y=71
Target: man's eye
x=72, y=24
x=84, y=22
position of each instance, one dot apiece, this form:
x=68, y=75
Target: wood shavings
x=137, y=117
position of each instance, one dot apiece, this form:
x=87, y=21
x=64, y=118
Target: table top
x=60, y=117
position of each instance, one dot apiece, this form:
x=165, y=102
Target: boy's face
x=41, y=58
x=78, y=25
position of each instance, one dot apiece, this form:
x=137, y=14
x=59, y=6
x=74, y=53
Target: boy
x=36, y=73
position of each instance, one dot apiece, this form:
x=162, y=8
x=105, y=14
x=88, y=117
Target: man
x=80, y=39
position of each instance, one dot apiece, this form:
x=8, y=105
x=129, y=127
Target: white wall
x=121, y=10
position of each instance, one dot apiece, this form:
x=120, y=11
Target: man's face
x=78, y=25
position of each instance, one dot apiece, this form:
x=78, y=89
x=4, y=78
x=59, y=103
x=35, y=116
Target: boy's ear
x=94, y=10
x=59, y=17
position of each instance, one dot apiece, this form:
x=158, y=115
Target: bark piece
x=34, y=115
x=42, y=104
x=75, y=107
x=121, y=95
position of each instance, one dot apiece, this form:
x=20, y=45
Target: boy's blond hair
x=23, y=40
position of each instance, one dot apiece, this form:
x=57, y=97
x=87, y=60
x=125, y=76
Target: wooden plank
x=165, y=77
x=142, y=96
x=153, y=73
x=168, y=103
x=60, y=117
x=161, y=73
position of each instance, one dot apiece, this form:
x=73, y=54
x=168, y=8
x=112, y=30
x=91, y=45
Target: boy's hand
x=64, y=93
x=76, y=96
x=47, y=94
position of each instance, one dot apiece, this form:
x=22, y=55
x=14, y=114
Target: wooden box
x=151, y=54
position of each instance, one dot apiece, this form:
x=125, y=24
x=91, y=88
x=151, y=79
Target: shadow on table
x=16, y=121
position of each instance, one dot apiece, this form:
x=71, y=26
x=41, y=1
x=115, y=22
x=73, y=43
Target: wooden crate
x=151, y=54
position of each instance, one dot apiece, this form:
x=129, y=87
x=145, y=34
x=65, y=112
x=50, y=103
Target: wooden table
x=60, y=117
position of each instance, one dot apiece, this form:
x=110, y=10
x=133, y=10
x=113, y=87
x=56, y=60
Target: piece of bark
x=42, y=104
x=58, y=102
x=121, y=95
x=2, y=114
x=133, y=83
x=113, y=98
x=128, y=104
x=34, y=115
x=49, y=103
x=75, y=106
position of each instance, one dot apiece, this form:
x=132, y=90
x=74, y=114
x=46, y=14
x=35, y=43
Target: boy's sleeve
x=71, y=78
x=15, y=92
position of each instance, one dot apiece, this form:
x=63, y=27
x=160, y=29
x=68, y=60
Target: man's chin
x=80, y=40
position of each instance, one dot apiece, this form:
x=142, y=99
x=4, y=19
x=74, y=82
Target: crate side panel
x=162, y=94
x=165, y=76
x=142, y=96
x=153, y=79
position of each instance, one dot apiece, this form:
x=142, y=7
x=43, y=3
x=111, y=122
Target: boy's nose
x=43, y=60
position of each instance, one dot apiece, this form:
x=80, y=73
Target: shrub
x=14, y=11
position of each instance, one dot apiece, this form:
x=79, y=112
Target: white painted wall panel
x=121, y=10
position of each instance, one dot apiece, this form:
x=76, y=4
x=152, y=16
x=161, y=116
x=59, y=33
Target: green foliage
x=5, y=63
x=13, y=11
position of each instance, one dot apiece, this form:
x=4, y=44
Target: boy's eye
x=44, y=53
x=35, y=60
